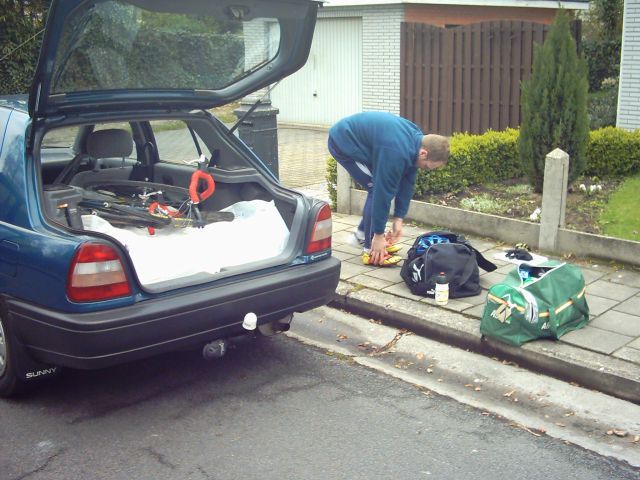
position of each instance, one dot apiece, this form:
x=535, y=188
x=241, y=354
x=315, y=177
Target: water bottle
x=442, y=289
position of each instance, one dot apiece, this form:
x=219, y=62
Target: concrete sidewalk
x=604, y=356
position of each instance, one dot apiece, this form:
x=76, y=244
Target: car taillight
x=321, y=234
x=96, y=273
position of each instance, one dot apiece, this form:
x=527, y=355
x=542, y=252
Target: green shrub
x=603, y=105
x=488, y=158
x=554, y=104
x=332, y=182
x=20, y=39
x=613, y=152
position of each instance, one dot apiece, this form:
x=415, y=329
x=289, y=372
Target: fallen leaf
x=575, y=384
x=569, y=414
x=620, y=433
x=342, y=337
x=420, y=356
x=477, y=389
x=508, y=394
x=468, y=385
x=507, y=362
x=567, y=442
x=485, y=414
x=560, y=424
x=636, y=438
x=519, y=425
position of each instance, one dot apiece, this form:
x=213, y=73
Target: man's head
x=433, y=153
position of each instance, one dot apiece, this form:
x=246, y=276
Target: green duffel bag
x=545, y=300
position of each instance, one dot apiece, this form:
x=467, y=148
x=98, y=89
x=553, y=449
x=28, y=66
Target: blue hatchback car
x=132, y=220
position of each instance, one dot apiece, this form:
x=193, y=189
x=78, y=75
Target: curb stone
x=589, y=369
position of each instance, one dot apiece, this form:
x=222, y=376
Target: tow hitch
x=215, y=349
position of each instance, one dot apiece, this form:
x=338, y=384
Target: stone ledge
x=512, y=231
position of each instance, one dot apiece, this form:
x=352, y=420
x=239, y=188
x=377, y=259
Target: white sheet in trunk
x=258, y=232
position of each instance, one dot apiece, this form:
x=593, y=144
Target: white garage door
x=329, y=86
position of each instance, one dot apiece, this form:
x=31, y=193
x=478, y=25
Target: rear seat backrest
x=102, y=144
x=110, y=143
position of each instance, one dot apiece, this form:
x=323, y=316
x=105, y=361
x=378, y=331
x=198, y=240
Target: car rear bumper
x=95, y=340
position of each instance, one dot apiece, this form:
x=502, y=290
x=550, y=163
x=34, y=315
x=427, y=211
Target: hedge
x=493, y=157
x=613, y=152
x=332, y=181
x=474, y=159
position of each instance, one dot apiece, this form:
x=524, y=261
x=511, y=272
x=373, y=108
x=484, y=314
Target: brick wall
x=629, y=94
x=380, y=53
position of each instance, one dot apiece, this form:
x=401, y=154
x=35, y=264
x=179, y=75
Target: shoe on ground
x=389, y=260
x=354, y=240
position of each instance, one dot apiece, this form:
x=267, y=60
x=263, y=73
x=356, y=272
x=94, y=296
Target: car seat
x=108, y=150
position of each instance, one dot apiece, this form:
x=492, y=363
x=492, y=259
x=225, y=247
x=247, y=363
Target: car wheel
x=9, y=382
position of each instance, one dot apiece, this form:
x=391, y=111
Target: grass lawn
x=620, y=217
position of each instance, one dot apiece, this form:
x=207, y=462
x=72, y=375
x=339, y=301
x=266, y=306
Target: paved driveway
x=302, y=156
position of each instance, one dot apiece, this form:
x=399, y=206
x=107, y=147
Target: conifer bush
x=554, y=104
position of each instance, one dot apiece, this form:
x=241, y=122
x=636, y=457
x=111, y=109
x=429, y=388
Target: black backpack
x=435, y=252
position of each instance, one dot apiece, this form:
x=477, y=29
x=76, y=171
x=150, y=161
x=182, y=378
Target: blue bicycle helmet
x=425, y=242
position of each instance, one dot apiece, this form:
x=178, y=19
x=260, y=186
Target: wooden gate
x=467, y=78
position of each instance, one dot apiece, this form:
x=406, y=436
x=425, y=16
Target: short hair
x=437, y=146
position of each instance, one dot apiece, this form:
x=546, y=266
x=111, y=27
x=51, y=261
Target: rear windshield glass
x=135, y=45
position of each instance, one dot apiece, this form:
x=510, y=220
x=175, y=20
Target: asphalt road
x=276, y=409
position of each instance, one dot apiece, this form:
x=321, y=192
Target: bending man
x=383, y=152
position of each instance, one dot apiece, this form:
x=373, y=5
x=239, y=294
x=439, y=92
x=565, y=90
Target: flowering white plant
x=535, y=216
x=590, y=189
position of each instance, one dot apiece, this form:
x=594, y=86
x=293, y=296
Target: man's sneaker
x=393, y=248
x=356, y=239
x=389, y=260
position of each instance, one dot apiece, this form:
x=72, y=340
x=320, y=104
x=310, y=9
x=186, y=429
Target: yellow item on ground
x=389, y=260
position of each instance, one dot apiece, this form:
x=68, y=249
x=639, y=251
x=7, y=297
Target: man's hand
x=396, y=230
x=378, y=249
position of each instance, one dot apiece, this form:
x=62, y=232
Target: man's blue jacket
x=388, y=145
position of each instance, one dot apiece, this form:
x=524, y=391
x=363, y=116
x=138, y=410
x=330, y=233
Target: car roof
x=15, y=102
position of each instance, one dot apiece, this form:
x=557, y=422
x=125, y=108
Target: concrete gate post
x=343, y=185
x=554, y=199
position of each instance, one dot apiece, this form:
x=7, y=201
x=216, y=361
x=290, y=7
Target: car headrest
x=110, y=143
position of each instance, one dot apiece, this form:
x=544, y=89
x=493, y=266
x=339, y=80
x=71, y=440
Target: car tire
x=10, y=384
